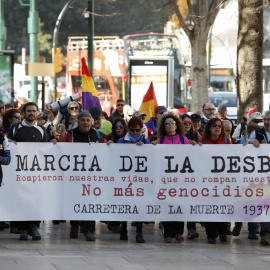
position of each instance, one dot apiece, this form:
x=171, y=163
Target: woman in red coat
x=214, y=133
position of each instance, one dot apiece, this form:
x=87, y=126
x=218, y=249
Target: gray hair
x=266, y=112
x=60, y=128
x=73, y=103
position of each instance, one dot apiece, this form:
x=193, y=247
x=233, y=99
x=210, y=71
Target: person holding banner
x=28, y=131
x=214, y=133
x=170, y=130
x=133, y=136
x=84, y=133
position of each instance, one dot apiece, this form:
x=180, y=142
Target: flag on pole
x=148, y=107
x=89, y=93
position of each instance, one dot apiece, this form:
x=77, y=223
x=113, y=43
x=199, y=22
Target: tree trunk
x=199, y=74
x=249, y=57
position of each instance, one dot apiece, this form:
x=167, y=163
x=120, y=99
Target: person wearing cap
x=101, y=124
x=262, y=134
x=84, y=133
x=158, y=113
x=240, y=130
x=147, y=132
x=222, y=115
x=119, y=112
x=196, y=120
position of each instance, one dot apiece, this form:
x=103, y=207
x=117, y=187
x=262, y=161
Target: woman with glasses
x=11, y=117
x=214, y=133
x=133, y=136
x=170, y=130
x=119, y=130
x=191, y=133
x=70, y=119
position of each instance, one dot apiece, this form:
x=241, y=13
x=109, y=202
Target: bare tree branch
x=213, y=11
x=182, y=23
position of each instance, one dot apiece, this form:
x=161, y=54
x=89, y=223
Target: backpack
x=181, y=137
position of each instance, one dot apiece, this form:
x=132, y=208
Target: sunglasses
x=143, y=118
x=16, y=117
x=116, y=126
x=135, y=129
x=122, y=105
x=187, y=122
x=170, y=122
x=74, y=108
x=257, y=121
x=218, y=126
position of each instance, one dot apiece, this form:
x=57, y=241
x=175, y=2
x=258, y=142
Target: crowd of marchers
x=126, y=125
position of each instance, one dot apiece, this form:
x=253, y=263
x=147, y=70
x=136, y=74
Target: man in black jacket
x=28, y=131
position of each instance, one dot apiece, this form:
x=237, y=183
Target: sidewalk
x=56, y=251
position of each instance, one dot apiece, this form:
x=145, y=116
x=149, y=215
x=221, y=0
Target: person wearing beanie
x=101, y=124
x=84, y=133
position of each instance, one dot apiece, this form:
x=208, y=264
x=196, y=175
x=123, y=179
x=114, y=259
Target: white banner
x=78, y=181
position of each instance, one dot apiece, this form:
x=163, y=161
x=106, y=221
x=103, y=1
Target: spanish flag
x=89, y=93
x=148, y=107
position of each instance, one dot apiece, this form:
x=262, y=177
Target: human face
x=209, y=110
x=135, y=131
x=159, y=115
x=216, y=128
x=196, y=124
x=57, y=135
x=120, y=107
x=228, y=128
x=222, y=116
x=119, y=129
x=30, y=113
x=85, y=124
x=267, y=122
x=142, y=117
x=170, y=126
x=97, y=122
x=130, y=113
x=41, y=121
x=74, y=109
x=16, y=118
x=187, y=124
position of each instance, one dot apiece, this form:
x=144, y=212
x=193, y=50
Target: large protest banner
x=77, y=181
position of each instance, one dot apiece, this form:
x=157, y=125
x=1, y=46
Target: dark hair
x=161, y=124
x=8, y=105
x=135, y=121
x=105, y=115
x=2, y=105
x=113, y=135
x=207, y=132
x=29, y=104
x=120, y=100
x=9, y=114
x=193, y=135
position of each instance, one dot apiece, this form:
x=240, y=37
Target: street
x=57, y=251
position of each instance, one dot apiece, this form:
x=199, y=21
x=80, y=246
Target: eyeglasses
x=120, y=104
x=228, y=130
x=16, y=117
x=210, y=109
x=187, y=122
x=215, y=125
x=74, y=108
x=116, y=126
x=135, y=129
x=170, y=122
